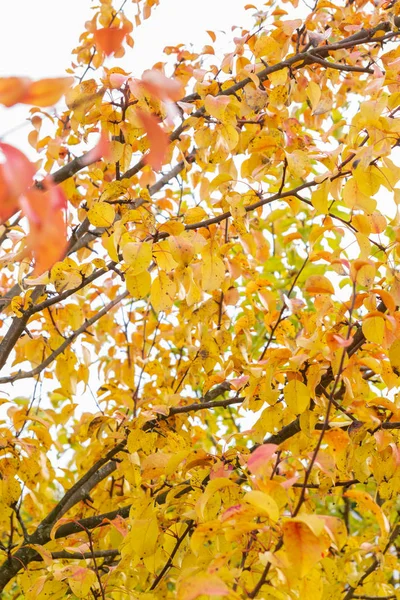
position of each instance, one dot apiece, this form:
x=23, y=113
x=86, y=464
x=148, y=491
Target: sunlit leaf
x=101, y=214
x=297, y=396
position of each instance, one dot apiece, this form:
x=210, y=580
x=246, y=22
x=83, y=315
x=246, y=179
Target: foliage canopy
x=215, y=276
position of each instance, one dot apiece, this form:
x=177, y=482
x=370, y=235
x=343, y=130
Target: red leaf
x=158, y=140
x=109, y=39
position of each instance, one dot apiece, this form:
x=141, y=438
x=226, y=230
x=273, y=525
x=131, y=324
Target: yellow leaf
x=116, y=151
x=163, y=292
x=222, y=180
x=374, y=329
x=314, y=522
x=125, y=160
x=297, y=396
x=354, y=198
x=113, y=190
x=366, y=275
x=318, y=284
x=278, y=96
x=314, y=94
x=193, y=292
x=139, y=285
x=137, y=256
x=216, y=106
x=181, y=249
x=17, y=306
x=81, y=580
x=10, y=490
x=230, y=135
x=362, y=223
x=265, y=143
x=266, y=47
x=172, y=227
x=65, y=279
x=101, y=215
x=319, y=198
x=143, y=537
x=394, y=354
x=212, y=272
x=299, y=163
x=163, y=257
x=144, y=441
x=264, y=503
x=368, y=180
x=212, y=487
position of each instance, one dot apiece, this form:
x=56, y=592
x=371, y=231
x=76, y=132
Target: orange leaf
x=109, y=39
x=158, y=140
x=8, y=202
x=12, y=89
x=46, y=92
x=366, y=503
x=387, y=298
x=43, y=92
x=304, y=549
x=47, y=228
x=102, y=149
x=318, y=284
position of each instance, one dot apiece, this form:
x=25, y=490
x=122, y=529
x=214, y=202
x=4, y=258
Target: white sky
x=36, y=39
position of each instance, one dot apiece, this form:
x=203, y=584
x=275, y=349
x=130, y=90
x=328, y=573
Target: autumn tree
x=198, y=254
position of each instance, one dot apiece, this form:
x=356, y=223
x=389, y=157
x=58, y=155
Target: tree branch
x=88, y=323
x=365, y=36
